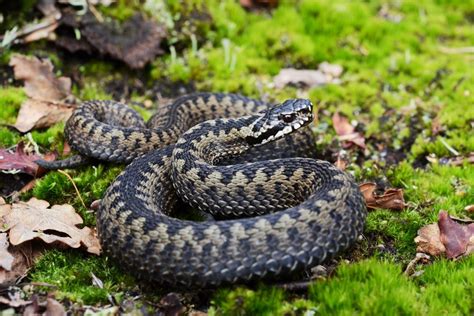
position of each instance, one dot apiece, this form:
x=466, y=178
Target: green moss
x=10, y=101
x=92, y=90
x=448, y=287
x=366, y=288
x=71, y=274
x=91, y=183
x=247, y=302
x=121, y=10
x=53, y=137
x=369, y=287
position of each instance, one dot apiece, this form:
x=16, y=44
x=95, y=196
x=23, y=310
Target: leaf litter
x=36, y=219
x=391, y=198
x=346, y=132
x=136, y=41
x=325, y=74
x=23, y=223
x=20, y=161
x=446, y=237
x=50, y=99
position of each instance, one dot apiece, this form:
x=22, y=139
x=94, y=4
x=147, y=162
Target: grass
x=409, y=95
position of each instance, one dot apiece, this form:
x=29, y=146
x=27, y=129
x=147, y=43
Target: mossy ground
x=400, y=83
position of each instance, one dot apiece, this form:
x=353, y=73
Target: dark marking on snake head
x=281, y=120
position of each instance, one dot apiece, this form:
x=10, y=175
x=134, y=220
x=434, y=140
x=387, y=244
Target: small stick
x=75, y=187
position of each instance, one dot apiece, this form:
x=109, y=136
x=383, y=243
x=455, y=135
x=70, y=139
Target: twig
x=75, y=187
x=448, y=147
x=457, y=50
x=410, y=270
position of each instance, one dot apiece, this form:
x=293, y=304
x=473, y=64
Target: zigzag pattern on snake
x=305, y=210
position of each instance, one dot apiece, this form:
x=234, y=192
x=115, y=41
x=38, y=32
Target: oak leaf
x=47, y=93
x=41, y=114
x=346, y=132
x=391, y=199
x=428, y=240
x=34, y=219
x=6, y=258
x=15, y=261
x=325, y=74
x=446, y=237
x=40, y=81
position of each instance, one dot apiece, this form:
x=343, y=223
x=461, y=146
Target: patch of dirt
x=10, y=183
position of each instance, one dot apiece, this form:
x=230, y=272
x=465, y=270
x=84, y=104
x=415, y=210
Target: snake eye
x=305, y=110
x=287, y=118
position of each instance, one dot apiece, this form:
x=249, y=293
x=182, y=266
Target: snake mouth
x=281, y=120
x=276, y=132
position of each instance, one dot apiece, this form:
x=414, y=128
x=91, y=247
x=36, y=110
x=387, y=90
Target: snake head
x=281, y=120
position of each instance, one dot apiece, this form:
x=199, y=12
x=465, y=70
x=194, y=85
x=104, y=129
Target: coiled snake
x=305, y=210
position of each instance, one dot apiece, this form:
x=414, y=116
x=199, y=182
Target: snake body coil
x=306, y=210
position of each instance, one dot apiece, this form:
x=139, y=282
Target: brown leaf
x=40, y=81
x=54, y=308
x=391, y=199
x=21, y=161
x=469, y=208
x=136, y=42
x=6, y=258
x=34, y=219
x=24, y=256
x=325, y=74
x=47, y=93
x=346, y=132
x=44, y=32
x=41, y=114
x=341, y=163
x=446, y=237
x=428, y=240
x=454, y=236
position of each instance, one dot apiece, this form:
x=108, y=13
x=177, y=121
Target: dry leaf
x=136, y=42
x=24, y=256
x=326, y=73
x=47, y=93
x=21, y=161
x=446, y=237
x=54, y=308
x=391, y=199
x=341, y=163
x=40, y=114
x=6, y=258
x=46, y=31
x=346, y=132
x=454, y=236
x=14, y=261
x=34, y=219
x=469, y=208
x=428, y=240
x=40, y=81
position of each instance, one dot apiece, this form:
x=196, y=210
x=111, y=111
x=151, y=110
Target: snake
x=275, y=209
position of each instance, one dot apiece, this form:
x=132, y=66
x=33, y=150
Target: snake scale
x=239, y=159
